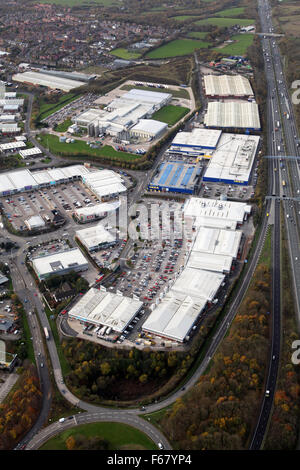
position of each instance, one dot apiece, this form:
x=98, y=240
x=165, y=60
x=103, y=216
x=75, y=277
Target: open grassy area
x=176, y=48
x=26, y=336
x=157, y=416
x=170, y=114
x=231, y=12
x=123, y=53
x=182, y=93
x=52, y=322
x=239, y=47
x=197, y=34
x=225, y=22
x=120, y=437
x=80, y=148
x=184, y=17
x=49, y=108
x=63, y=126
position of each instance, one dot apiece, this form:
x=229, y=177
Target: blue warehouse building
x=176, y=177
x=199, y=142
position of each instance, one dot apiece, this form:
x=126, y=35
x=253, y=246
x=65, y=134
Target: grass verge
x=120, y=436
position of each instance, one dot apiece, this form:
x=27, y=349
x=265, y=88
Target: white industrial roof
x=49, y=81
x=12, y=145
x=58, y=174
x=10, y=107
x=232, y=114
x=22, y=179
x=10, y=94
x=154, y=97
x=217, y=241
x=204, y=138
x=98, y=209
x=50, y=264
x=7, y=117
x=12, y=127
x=93, y=236
x=121, y=115
x=3, y=278
x=205, y=210
x=149, y=126
x=5, y=183
x=104, y=183
x=174, y=316
x=124, y=112
x=105, y=308
x=233, y=159
x=30, y=152
x=227, y=85
x=35, y=222
x=17, y=101
x=209, y=262
x=198, y=283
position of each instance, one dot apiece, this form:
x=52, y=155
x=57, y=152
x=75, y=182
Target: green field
x=176, y=48
x=182, y=93
x=231, y=12
x=63, y=126
x=197, y=34
x=184, y=17
x=122, y=53
x=49, y=108
x=79, y=148
x=120, y=437
x=170, y=114
x=225, y=22
x=243, y=41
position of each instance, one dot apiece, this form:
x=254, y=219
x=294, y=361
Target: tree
x=143, y=378
x=105, y=368
x=70, y=443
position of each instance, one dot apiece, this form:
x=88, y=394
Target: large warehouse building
x=11, y=101
x=97, y=211
x=227, y=86
x=12, y=146
x=233, y=115
x=147, y=129
x=233, y=159
x=102, y=308
x=123, y=114
x=59, y=263
x=196, y=143
x=31, y=152
x=213, y=249
x=174, y=317
x=175, y=177
x=103, y=183
x=96, y=238
x=215, y=241
x=46, y=80
x=215, y=213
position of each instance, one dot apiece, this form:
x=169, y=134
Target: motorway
x=23, y=282
x=282, y=142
